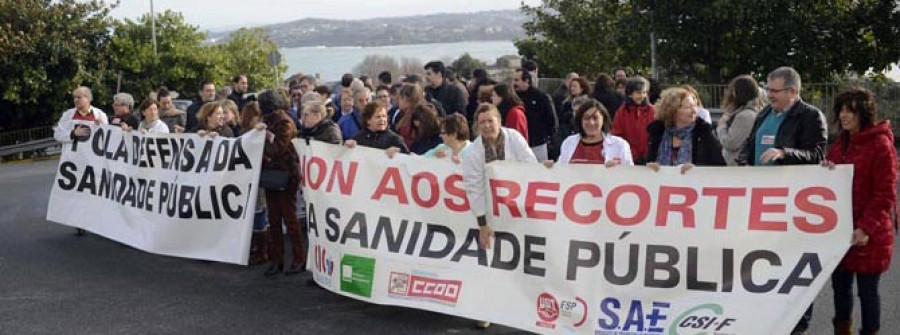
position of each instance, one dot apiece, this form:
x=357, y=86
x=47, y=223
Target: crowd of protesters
x=621, y=120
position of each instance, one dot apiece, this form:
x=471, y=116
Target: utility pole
x=653, y=73
x=153, y=27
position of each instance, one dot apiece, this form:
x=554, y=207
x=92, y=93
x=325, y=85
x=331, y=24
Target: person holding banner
x=455, y=134
x=592, y=143
x=150, y=121
x=375, y=133
x=679, y=137
x=279, y=155
x=787, y=132
x=315, y=125
x=211, y=120
x=494, y=143
x=74, y=123
x=868, y=144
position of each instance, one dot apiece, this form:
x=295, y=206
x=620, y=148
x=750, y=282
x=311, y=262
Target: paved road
x=54, y=282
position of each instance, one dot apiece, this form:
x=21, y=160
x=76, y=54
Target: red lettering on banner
x=758, y=207
x=433, y=189
x=722, y=195
x=509, y=198
x=569, y=203
x=345, y=181
x=391, y=184
x=432, y=288
x=666, y=205
x=315, y=180
x=532, y=199
x=643, y=204
x=457, y=192
x=828, y=215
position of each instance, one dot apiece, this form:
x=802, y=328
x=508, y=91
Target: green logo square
x=357, y=275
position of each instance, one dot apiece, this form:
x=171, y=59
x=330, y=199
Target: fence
x=26, y=143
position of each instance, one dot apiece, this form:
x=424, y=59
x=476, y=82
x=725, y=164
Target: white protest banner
x=581, y=248
x=171, y=194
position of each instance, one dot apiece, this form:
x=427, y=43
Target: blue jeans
x=869, y=300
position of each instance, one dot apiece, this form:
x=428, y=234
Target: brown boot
x=843, y=327
x=259, y=248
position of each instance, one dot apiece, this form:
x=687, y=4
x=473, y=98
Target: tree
x=182, y=61
x=375, y=64
x=247, y=52
x=47, y=48
x=584, y=36
x=714, y=41
x=465, y=64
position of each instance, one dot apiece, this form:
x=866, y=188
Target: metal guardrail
x=27, y=142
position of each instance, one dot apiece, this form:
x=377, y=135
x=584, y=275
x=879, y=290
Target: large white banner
x=579, y=249
x=171, y=194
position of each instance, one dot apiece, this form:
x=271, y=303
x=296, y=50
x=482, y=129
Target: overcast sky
x=230, y=14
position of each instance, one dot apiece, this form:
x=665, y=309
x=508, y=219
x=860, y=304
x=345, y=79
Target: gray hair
x=362, y=90
x=123, y=99
x=310, y=97
x=788, y=74
x=309, y=79
x=86, y=91
x=580, y=100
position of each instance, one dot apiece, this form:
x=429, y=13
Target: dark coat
x=380, y=140
x=874, y=159
x=279, y=153
x=541, y=115
x=452, y=99
x=802, y=135
x=326, y=131
x=706, y=148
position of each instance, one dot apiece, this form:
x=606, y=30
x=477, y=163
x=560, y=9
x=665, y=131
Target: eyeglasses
x=775, y=90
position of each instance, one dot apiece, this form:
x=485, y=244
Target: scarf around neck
x=664, y=155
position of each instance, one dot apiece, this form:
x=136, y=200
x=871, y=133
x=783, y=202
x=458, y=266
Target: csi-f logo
x=323, y=262
x=631, y=317
x=705, y=317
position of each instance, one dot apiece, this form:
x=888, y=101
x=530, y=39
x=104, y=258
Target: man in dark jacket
x=239, y=86
x=452, y=99
x=207, y=94
x=787, y=132
x=542, y=121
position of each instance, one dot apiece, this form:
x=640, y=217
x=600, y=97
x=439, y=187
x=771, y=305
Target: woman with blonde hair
x=232, y=116
x=678, y=137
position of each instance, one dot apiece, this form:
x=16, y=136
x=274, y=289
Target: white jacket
x=157, y=127
x=474, y=180
x=613, y=147
x=62, y=132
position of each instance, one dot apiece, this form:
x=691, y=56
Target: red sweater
x=515, y=119
x=630, y=123
x=871, y=151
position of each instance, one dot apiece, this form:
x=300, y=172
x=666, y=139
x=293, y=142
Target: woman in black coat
x=679, y=137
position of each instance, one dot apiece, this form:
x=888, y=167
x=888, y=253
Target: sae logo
x=324, y=265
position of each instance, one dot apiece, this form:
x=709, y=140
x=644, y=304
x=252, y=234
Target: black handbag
x=274, y=180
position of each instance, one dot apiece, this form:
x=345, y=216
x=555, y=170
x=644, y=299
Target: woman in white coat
x=494, y=143
x=592, y=143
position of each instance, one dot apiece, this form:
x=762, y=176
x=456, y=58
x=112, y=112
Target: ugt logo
x=547, y=310
x=323, y=261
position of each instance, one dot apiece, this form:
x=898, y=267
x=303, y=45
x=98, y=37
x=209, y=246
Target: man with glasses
x=787, y=132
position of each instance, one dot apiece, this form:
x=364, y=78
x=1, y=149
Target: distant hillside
x=481, y=26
